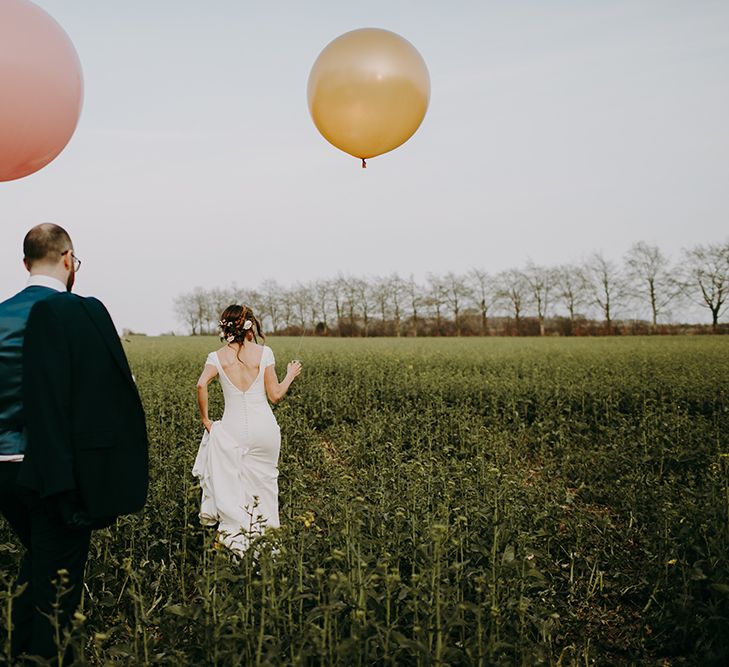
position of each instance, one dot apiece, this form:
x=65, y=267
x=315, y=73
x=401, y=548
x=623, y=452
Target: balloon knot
x=364, y=164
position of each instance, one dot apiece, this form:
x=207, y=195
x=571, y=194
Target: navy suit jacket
x=14, y=314
x=85, y=422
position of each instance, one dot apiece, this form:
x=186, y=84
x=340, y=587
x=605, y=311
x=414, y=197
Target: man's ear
x=25, y=263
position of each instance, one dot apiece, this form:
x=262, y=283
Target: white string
x=301, y=340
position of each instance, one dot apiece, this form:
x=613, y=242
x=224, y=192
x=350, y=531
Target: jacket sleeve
x=47, y=375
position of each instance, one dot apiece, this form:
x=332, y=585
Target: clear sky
x=554, y=129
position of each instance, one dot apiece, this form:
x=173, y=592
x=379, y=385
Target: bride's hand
x=293, y=369
x=208, y=424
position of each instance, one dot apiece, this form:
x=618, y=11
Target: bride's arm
x=277, y=390
x=209, y=372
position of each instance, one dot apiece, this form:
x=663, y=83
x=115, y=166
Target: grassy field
x=443, y=502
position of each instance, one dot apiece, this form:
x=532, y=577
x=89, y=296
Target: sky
x=554, y=129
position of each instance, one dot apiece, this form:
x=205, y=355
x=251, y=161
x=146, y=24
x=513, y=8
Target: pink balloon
x=41, y=89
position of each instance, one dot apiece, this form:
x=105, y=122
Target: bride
x=237, y=463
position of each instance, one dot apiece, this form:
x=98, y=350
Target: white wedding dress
x=237, y=462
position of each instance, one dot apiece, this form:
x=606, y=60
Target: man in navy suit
x=72, y=434
x=52, y=265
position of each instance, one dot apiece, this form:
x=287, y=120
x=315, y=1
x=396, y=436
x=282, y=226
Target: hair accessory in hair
x=223, y=325
x=248, y=324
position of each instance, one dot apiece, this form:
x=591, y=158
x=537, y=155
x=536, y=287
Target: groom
x=84, y=439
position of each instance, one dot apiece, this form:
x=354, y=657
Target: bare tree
x=322, y=295
x=221, y=298
x=363, y=296
x=271, y=296
x=436, y=299
x=514, y=290
x=571, y=289
x=483, y=293
x=381, y=292
x=415, y=298
x=288, y=308
x=706, y=277
x=254, y=299
x=348, y=289
x=605, y=286
x=540, y=280
x=312, y=301
x=649, y=278
x=398, y=289
x=186, y=312
x=301, y=298
x=337, y=289
x=455, y=292
x=196, y=310
x=207, y=317
x=249, y=297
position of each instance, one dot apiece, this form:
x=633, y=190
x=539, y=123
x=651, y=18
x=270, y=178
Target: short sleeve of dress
x=210, y=361
x=268, y=358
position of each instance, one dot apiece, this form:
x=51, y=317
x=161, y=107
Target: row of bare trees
x=644, y=286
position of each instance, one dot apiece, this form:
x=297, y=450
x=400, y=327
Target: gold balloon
x=368, y=92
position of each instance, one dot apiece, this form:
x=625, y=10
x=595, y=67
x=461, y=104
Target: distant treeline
x=598, y=296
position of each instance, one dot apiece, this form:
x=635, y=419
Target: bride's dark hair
x=238, y=324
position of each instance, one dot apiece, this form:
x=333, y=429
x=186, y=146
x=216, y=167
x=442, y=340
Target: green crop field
x=443, y=502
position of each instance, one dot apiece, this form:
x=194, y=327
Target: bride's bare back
x=241, y=367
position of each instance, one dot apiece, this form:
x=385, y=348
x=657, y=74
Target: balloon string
x=298, y=348
x=364, y=164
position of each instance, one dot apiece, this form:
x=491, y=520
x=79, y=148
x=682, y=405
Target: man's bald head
x=45, y=243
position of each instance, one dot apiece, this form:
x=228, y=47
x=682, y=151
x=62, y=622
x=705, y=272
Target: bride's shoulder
x=212, y=358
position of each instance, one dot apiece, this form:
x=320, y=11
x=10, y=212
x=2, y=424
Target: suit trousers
x=50, y=546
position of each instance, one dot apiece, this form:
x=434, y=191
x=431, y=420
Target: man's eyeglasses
x=76, y=260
